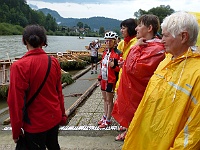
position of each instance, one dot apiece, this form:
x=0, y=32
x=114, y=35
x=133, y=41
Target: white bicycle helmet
x=110, y=35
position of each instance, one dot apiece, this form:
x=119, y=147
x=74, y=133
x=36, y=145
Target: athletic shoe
x=121, y=136
x=105, y=124
x=102, y=120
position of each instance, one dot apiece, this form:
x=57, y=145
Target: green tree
x=162, y=11
x=139, y=13
x=79, y=25
x=42, y=18
x=101, y=31
x=86, y=26
x=3, y=11
x=17, y=12
x=50, y=23
x=22, y=20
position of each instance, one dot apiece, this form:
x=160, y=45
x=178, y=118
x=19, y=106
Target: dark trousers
x=43, y=140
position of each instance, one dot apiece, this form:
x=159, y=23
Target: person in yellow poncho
x=128, y=32
x=168, y=115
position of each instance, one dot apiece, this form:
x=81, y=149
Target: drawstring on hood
x=176, y=87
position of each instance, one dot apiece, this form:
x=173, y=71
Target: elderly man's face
x=172, y=45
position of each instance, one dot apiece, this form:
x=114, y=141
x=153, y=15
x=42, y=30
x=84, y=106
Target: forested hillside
x=107, y=23
x=93, y=22
x=18, y=12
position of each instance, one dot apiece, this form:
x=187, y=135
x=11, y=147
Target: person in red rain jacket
x=109, y=76
x=140, y=64
x=46, y=112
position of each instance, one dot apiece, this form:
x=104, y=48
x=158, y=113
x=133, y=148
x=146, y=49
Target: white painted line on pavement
x=77, y=128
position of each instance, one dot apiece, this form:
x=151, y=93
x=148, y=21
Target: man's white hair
x=182, y=22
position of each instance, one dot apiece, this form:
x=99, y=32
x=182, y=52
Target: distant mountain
x=93, y=22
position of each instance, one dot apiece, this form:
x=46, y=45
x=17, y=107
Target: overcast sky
x=117, y=9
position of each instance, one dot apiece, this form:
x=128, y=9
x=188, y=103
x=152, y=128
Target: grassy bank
x=9, y=29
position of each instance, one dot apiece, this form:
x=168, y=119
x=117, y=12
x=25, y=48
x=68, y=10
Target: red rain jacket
x=26, y=76
x=139, y=66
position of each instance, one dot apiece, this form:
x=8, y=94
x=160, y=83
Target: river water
x=12, y=46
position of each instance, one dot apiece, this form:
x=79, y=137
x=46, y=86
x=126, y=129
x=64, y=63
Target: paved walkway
x=82, y=132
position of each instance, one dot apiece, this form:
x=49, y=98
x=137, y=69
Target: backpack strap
x=37, y=92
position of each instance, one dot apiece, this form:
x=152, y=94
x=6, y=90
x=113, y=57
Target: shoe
x=92, y=72
x=101, y=121
x=121, y=136
x=105, y=124
x=95, y=72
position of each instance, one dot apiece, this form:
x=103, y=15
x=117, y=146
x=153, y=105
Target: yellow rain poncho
x=168, y=117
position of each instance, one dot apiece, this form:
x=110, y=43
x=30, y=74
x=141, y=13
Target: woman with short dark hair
x=41, y=120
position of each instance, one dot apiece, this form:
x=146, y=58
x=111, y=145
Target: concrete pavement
x=81, y=132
